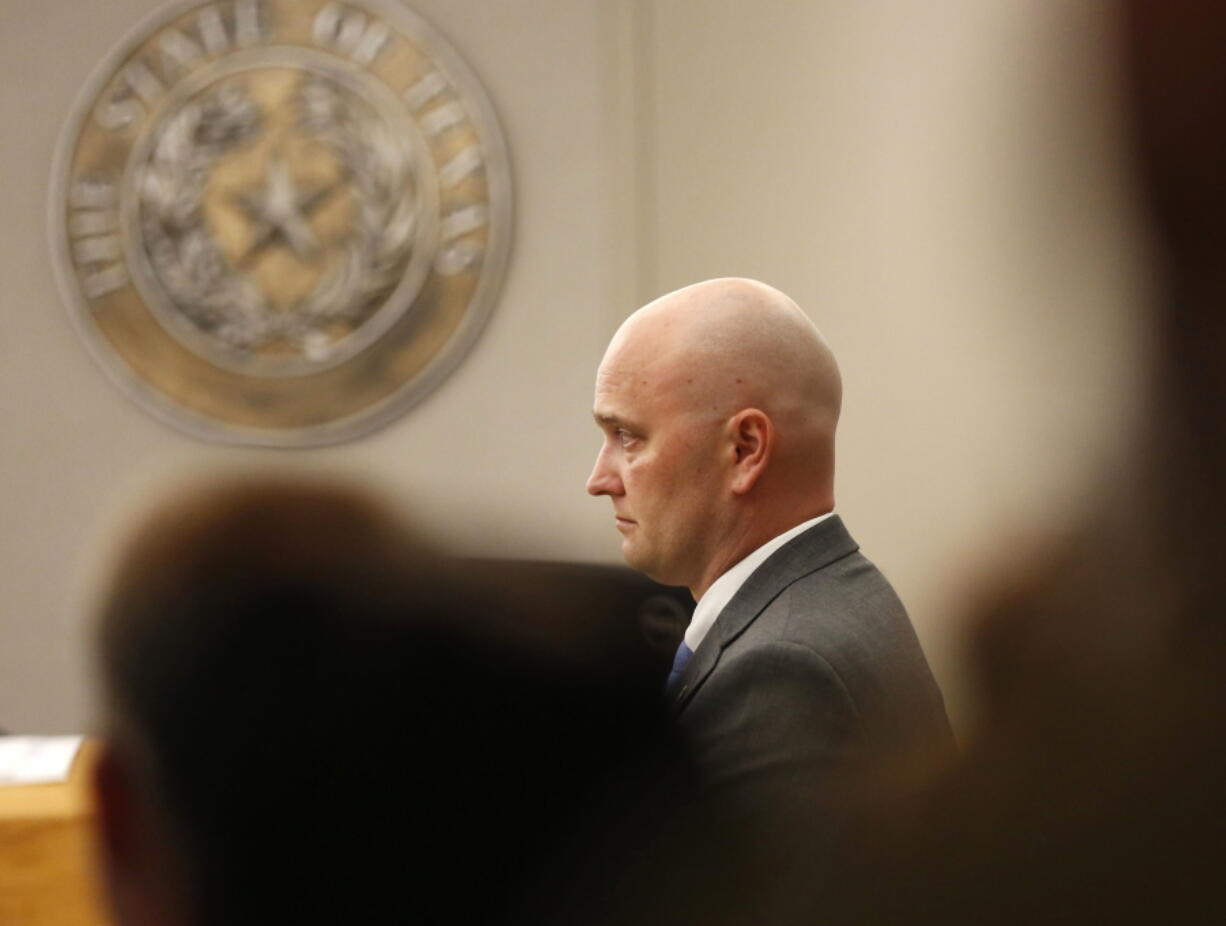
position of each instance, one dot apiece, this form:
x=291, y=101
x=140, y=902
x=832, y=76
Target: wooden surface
x=47, y=852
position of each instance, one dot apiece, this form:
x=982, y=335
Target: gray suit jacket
x=812, y=663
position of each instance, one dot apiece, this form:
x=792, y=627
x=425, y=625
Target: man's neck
x=752, y=536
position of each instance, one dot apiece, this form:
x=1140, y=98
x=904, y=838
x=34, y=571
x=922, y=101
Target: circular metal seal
x=281, y=222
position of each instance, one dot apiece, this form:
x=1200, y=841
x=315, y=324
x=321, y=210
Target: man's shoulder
x=846, y=599
x=822, y=593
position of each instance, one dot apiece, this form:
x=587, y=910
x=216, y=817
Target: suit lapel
x=815, y=549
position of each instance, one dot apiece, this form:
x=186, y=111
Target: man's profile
x=719, y=404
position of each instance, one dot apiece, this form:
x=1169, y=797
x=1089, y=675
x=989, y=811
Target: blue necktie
x=680, y=661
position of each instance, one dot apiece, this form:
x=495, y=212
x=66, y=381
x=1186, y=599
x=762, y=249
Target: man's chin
x=641, y=560
x=634, y=556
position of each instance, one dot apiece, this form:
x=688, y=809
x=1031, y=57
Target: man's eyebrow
x=608, y=419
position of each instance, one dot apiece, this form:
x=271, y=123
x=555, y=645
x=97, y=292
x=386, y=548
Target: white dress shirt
x=722, y=590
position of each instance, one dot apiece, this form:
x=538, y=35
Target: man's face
x=658, y=463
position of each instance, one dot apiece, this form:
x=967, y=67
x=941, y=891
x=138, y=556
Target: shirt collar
x=722, y=590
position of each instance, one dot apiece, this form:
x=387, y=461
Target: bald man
x=719, y=404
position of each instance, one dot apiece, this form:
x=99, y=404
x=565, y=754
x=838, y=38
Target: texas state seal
x=281, y=221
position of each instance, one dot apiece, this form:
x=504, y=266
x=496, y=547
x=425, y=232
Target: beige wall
x=501, y=448
x=936, y=183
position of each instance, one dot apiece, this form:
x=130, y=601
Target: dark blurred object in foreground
x=616, y=616
x=314, y=719
x=1092, y=791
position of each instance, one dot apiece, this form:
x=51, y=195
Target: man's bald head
x=728, y=344
x=721, y=363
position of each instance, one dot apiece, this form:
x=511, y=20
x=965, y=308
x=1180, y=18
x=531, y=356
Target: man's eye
x=624, y=437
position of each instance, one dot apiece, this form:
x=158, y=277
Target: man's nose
x=604, y=479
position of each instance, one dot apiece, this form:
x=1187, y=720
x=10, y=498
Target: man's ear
x=753, y=439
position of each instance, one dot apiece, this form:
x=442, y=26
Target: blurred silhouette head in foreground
x=313, y=718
